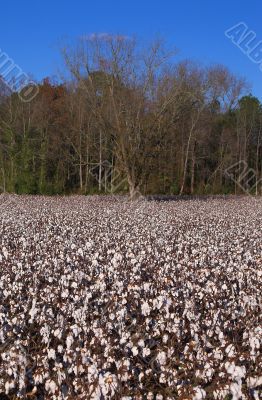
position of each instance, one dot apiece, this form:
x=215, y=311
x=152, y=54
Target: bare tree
x=121, y=82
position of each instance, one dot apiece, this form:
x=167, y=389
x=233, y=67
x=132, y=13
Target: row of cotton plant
x=105, y=299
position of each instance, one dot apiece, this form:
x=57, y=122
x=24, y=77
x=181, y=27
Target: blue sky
x=31, y=31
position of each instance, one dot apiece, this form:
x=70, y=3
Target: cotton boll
x=165, y=338
x=65, y=294
x=146, y=351
x=80, y=252
x=230, y=350
x=69, y=341
x=253, y=382
x=51, y=386
x=235, y=389
x=145, y=309
x=199, y=393
x=33, y=311
x=51, y=354
x=58, y=333
x=134, y=351
x=161, y=357
x=5, y=252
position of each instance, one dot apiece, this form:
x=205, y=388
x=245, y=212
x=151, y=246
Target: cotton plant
x=101, y=299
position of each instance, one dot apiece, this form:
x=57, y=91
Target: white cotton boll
x=134, y=351
x=145, y=308
x=80, y=252
x=146, y=351
x=58, y=333
x=38, y=378
x=220, y=394
x=33, y=311
x=235, y=389
x=51, y=354
x=146, y=286
x=7, y=387
x=230, y=350
x=237, y=372
x=75, y=330
x=256, y=395
x=107, y=382
x=75, y=369
x=65, y=294
x=89, y=245
x=221, y=336
x=74, y=285
x=11, y=385
x=69, y=341
x=254, y=344
x=141, y=376
x=199, y=393
x=165, y=338
x=161, y=357
x=240, y=372
x=126, y=363
x=141, y=343
x=21, y=382
x=218, y=355
x=60, y=348
x=5, y=252
x=255, y=381
x=123, y=339
x=51, y=386
x=209, y=372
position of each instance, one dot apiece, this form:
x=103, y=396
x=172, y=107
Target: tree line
x=130, y=118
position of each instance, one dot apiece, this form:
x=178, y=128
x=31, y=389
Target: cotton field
x=105, y=299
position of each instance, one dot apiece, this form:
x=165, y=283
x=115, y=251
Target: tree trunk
x=192, y=172
x=100, y=162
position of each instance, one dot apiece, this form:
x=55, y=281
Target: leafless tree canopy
x=130, y=118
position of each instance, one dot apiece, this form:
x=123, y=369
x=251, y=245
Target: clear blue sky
x=32, y=30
